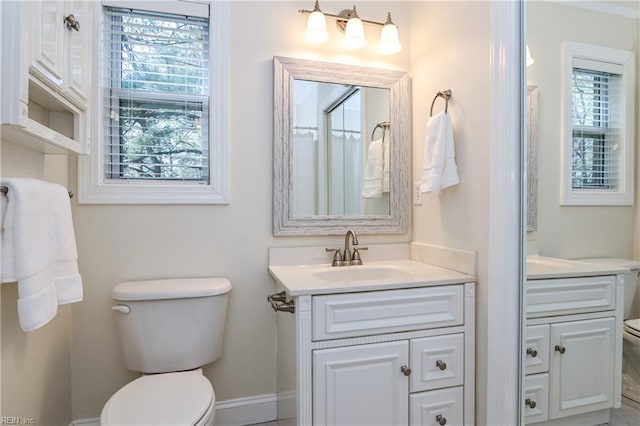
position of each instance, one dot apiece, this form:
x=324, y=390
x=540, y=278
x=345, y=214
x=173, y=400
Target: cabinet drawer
x=361, y=314
x=443, y=406
x=536, y=393
x=537, y=349
x=563, y=296
x=437, y=362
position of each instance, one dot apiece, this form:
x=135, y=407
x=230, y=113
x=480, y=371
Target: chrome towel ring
x=384, y=125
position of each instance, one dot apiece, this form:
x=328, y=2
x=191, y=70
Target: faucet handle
x=355, y=258
x=337, y=256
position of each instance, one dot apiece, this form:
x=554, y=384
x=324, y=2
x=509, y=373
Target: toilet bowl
x=631, y=327
x=184, y=398
x=168, y=329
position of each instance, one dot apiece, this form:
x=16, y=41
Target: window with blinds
x=156, y=96
x=595, y=93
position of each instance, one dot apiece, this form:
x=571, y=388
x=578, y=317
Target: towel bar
x=384, y=125
x=4, y=189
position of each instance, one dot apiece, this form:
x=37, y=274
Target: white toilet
x=168, y=330
x=631, y=334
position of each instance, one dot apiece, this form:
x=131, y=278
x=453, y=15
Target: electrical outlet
x=417, y=195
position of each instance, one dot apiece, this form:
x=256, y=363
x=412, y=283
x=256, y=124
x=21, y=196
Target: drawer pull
x=405, y=370
x=560, y=349
x=530, y=403
x=441, y=365
x=532, y=352
x=442, y=420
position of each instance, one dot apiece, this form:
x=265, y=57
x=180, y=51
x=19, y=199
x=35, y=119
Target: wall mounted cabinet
x=47, y=49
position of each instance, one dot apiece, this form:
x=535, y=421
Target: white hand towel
x=373, y=171
x=439, y=169
x=38, y=250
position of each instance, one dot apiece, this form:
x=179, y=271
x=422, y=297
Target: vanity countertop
x=315, y=279
x=541, y=267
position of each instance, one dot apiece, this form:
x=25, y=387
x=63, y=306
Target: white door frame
x=506, y=231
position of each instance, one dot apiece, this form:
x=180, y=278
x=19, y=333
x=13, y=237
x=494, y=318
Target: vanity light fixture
x=316, y=26
x=349, y=23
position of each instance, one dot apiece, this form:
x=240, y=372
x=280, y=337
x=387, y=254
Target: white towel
x=439, y=170
x=373, y=171
x=38, y=250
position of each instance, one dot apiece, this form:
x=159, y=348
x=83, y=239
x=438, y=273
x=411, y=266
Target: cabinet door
x=581, y=366
x=48, y=32
x=361, y=385
x=79, y=49
x=433, y=408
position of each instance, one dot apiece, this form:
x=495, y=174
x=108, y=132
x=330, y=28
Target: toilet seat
x=632, y=327
x=184, y=398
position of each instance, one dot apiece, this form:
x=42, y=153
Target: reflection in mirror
x=532, y=158
x=582, y=361
x=332, y=152
x=341, y=149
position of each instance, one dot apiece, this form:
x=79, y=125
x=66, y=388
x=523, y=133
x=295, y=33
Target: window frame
x=94, y=184
x=624, y=194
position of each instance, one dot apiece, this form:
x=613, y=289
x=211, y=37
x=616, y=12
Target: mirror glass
x=332, y=150
x=579, y=230
x=341, y=148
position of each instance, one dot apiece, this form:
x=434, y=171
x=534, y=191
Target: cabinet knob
x=442, y=420
x=560, y=349
x=531, y=403
x=405, y=370
x=441, y=365
x=532, y=352
x=71, y=22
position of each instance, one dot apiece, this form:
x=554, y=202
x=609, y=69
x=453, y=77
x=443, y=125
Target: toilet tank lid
x=180, y=288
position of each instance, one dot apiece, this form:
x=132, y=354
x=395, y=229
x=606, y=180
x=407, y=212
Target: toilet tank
x=171, y=325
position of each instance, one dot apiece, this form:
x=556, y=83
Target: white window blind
x=596, y=127
x=156, y=96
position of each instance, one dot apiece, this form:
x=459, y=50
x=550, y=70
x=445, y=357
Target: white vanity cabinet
x=388, y=357
x=573, y=349
x=47, y=54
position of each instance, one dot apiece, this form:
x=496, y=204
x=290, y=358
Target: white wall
x=450, y=50
x=119, y=243
x=576, y=231
x=35, y=366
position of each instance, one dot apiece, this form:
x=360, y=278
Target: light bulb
x=389, y=39
x=354, y=34
x=316, y=32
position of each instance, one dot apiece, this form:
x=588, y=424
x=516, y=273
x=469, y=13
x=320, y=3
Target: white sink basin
x=362, y=273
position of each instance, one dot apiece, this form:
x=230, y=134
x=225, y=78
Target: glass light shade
x=316, y=28
x=530, y=59
x=354, y=34
x=389, y=40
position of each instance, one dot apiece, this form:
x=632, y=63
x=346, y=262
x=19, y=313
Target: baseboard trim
x=233, y=412
x=247, y=411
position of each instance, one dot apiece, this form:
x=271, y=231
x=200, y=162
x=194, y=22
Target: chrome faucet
x=347, y=258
